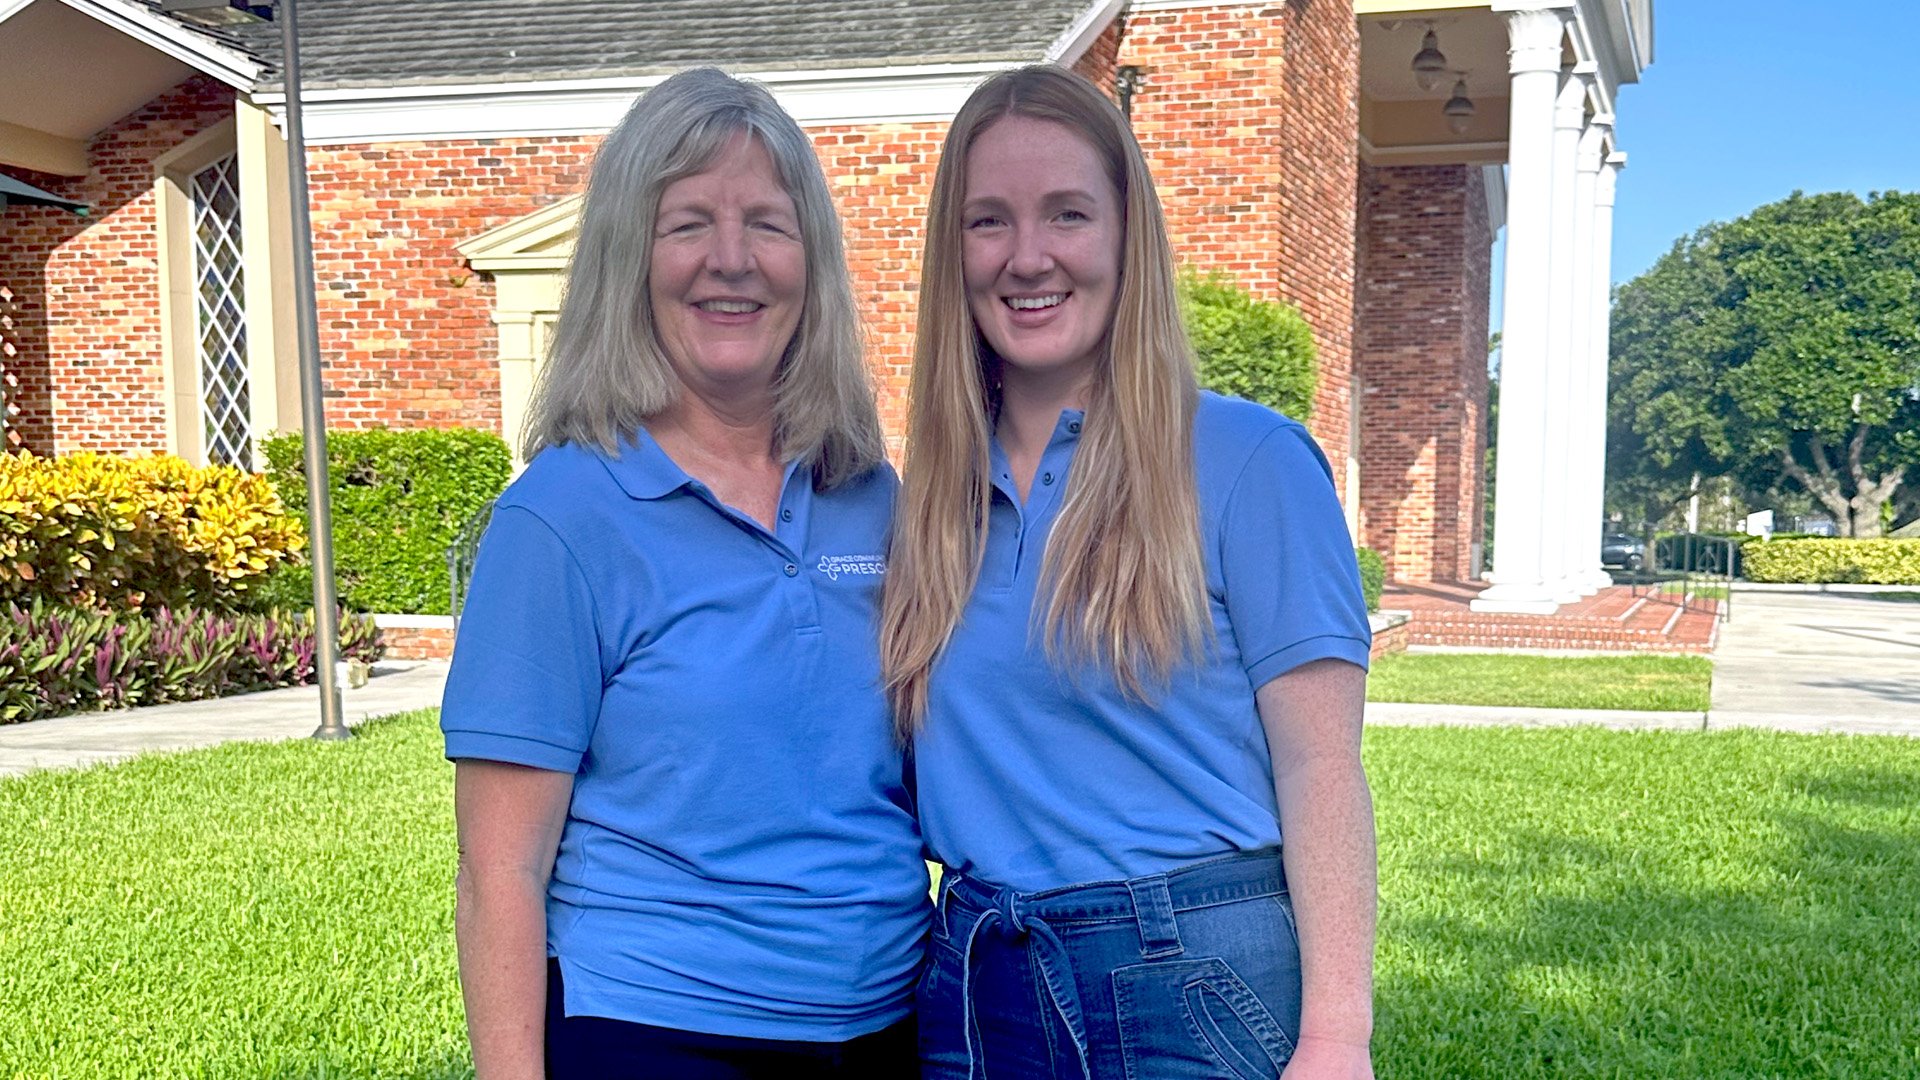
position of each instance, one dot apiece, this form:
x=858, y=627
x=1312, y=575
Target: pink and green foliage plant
x=56, y=660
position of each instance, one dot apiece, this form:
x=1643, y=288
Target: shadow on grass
x=1584, y=957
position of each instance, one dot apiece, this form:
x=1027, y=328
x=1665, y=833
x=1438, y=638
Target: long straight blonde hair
x=606, y=375
x=1123, y=582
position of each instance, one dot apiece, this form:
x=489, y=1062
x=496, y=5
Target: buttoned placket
x=785, y=543
x=1032, y=520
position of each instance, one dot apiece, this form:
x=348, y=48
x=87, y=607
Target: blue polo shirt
x=740, y=856
x=1035, y=778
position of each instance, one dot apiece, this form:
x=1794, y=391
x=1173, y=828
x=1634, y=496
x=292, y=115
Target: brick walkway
x=1612, y=620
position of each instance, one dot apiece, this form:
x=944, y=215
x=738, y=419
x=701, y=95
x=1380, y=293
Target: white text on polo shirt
x=835, y=565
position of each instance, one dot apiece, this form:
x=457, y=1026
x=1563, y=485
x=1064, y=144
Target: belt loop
x=1153, y=909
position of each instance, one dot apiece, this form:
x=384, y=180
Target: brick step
x=1482, y=637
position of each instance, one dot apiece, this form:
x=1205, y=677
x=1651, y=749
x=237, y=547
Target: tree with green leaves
x=1782, y=350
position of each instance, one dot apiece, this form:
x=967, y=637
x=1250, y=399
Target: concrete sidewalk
x=268, y=716
x=1819, y=662
x=1393, y=714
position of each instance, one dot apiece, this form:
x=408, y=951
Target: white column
x=1582, y=524
x=1599, y=340
x=1569, y=117
x=1518, y=583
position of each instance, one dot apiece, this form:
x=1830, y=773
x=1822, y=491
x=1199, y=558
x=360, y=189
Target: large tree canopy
x=1779, y=349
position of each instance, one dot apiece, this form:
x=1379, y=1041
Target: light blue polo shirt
x=740, y=856
x=1034, y=778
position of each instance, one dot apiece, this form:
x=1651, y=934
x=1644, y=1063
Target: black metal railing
x=460, y=556
x=1694, y=571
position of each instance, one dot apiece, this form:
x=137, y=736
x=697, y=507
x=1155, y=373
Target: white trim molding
x=1142, y=7
x=158, y=32
x=929, y=93
x=1087, y=27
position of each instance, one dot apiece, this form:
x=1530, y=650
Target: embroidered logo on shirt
x=835, y=565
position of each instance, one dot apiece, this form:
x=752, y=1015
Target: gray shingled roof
x=352, y=43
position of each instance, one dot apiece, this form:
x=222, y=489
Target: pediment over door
x=527, y=258
x=540, y=241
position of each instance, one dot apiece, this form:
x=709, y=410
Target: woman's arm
x=509, y=819
x=1312, y=717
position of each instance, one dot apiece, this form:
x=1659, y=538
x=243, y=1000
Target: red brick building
x=1295, y=148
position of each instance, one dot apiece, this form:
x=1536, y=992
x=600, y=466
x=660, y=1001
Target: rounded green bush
x=1261, y=350
x=1373, y=575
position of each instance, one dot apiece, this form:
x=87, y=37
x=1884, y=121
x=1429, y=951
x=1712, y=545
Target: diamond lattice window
x=220, y=315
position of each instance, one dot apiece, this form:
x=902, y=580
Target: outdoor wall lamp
x=1128, y=80
x=1429, y=64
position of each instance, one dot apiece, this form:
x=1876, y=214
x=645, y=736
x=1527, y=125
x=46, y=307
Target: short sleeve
x=525, y=685
x=1287, y=561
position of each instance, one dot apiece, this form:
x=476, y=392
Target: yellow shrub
x=95, y=530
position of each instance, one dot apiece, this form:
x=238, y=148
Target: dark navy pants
x=596, y=1048
x=1185, y=975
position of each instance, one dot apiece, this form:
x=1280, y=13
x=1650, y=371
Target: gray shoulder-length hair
x=606, y=374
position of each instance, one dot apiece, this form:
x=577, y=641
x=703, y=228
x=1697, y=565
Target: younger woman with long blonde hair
x=1122, y=627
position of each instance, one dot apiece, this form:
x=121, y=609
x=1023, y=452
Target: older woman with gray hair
x=686, y=844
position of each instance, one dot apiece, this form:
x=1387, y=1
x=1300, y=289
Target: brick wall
x=1250, y=119
x=1255, y=171
x=85, y=367
x=1425, y=258
x=882, y=176
x=405, y=326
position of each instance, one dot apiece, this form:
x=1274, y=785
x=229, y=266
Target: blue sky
x=1746, y=102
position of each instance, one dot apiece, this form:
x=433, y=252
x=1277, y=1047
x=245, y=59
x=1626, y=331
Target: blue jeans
x=1193, y=973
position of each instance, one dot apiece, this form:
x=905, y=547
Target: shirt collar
x=643, y=470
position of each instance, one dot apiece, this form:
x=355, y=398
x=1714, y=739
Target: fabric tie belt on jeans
x=1150, y=901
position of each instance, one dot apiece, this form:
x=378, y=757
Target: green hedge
x=1871, y=562
x=1256, y=349
x=398, y=499
x=1373, y=575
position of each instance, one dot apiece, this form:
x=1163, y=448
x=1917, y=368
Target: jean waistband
x=1222, y=880
x=1151, y=901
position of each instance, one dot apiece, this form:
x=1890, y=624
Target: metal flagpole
x=313, y=414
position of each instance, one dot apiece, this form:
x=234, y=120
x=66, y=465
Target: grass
x=1678, y=683
x=247, y=911
x=1698, y=591
x=1656, y=904
x=1901, y=597
x=1554, y=903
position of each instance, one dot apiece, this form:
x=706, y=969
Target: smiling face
x=1040, y=247
x=728, y=274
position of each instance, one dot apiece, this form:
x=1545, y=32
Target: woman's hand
x=509, y=819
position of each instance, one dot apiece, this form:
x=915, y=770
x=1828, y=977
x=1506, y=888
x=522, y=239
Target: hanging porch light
x=1429, y=64
x=1459, y=108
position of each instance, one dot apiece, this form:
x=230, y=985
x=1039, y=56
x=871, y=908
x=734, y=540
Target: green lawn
x=1555, y=903
x=1678, y=589
x=1679, y=683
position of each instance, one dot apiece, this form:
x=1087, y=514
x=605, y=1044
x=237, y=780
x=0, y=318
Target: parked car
x=1618, y=550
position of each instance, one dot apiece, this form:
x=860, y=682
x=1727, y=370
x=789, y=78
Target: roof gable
x=355, y=43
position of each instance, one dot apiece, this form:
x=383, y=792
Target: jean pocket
x=1195, y=1020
